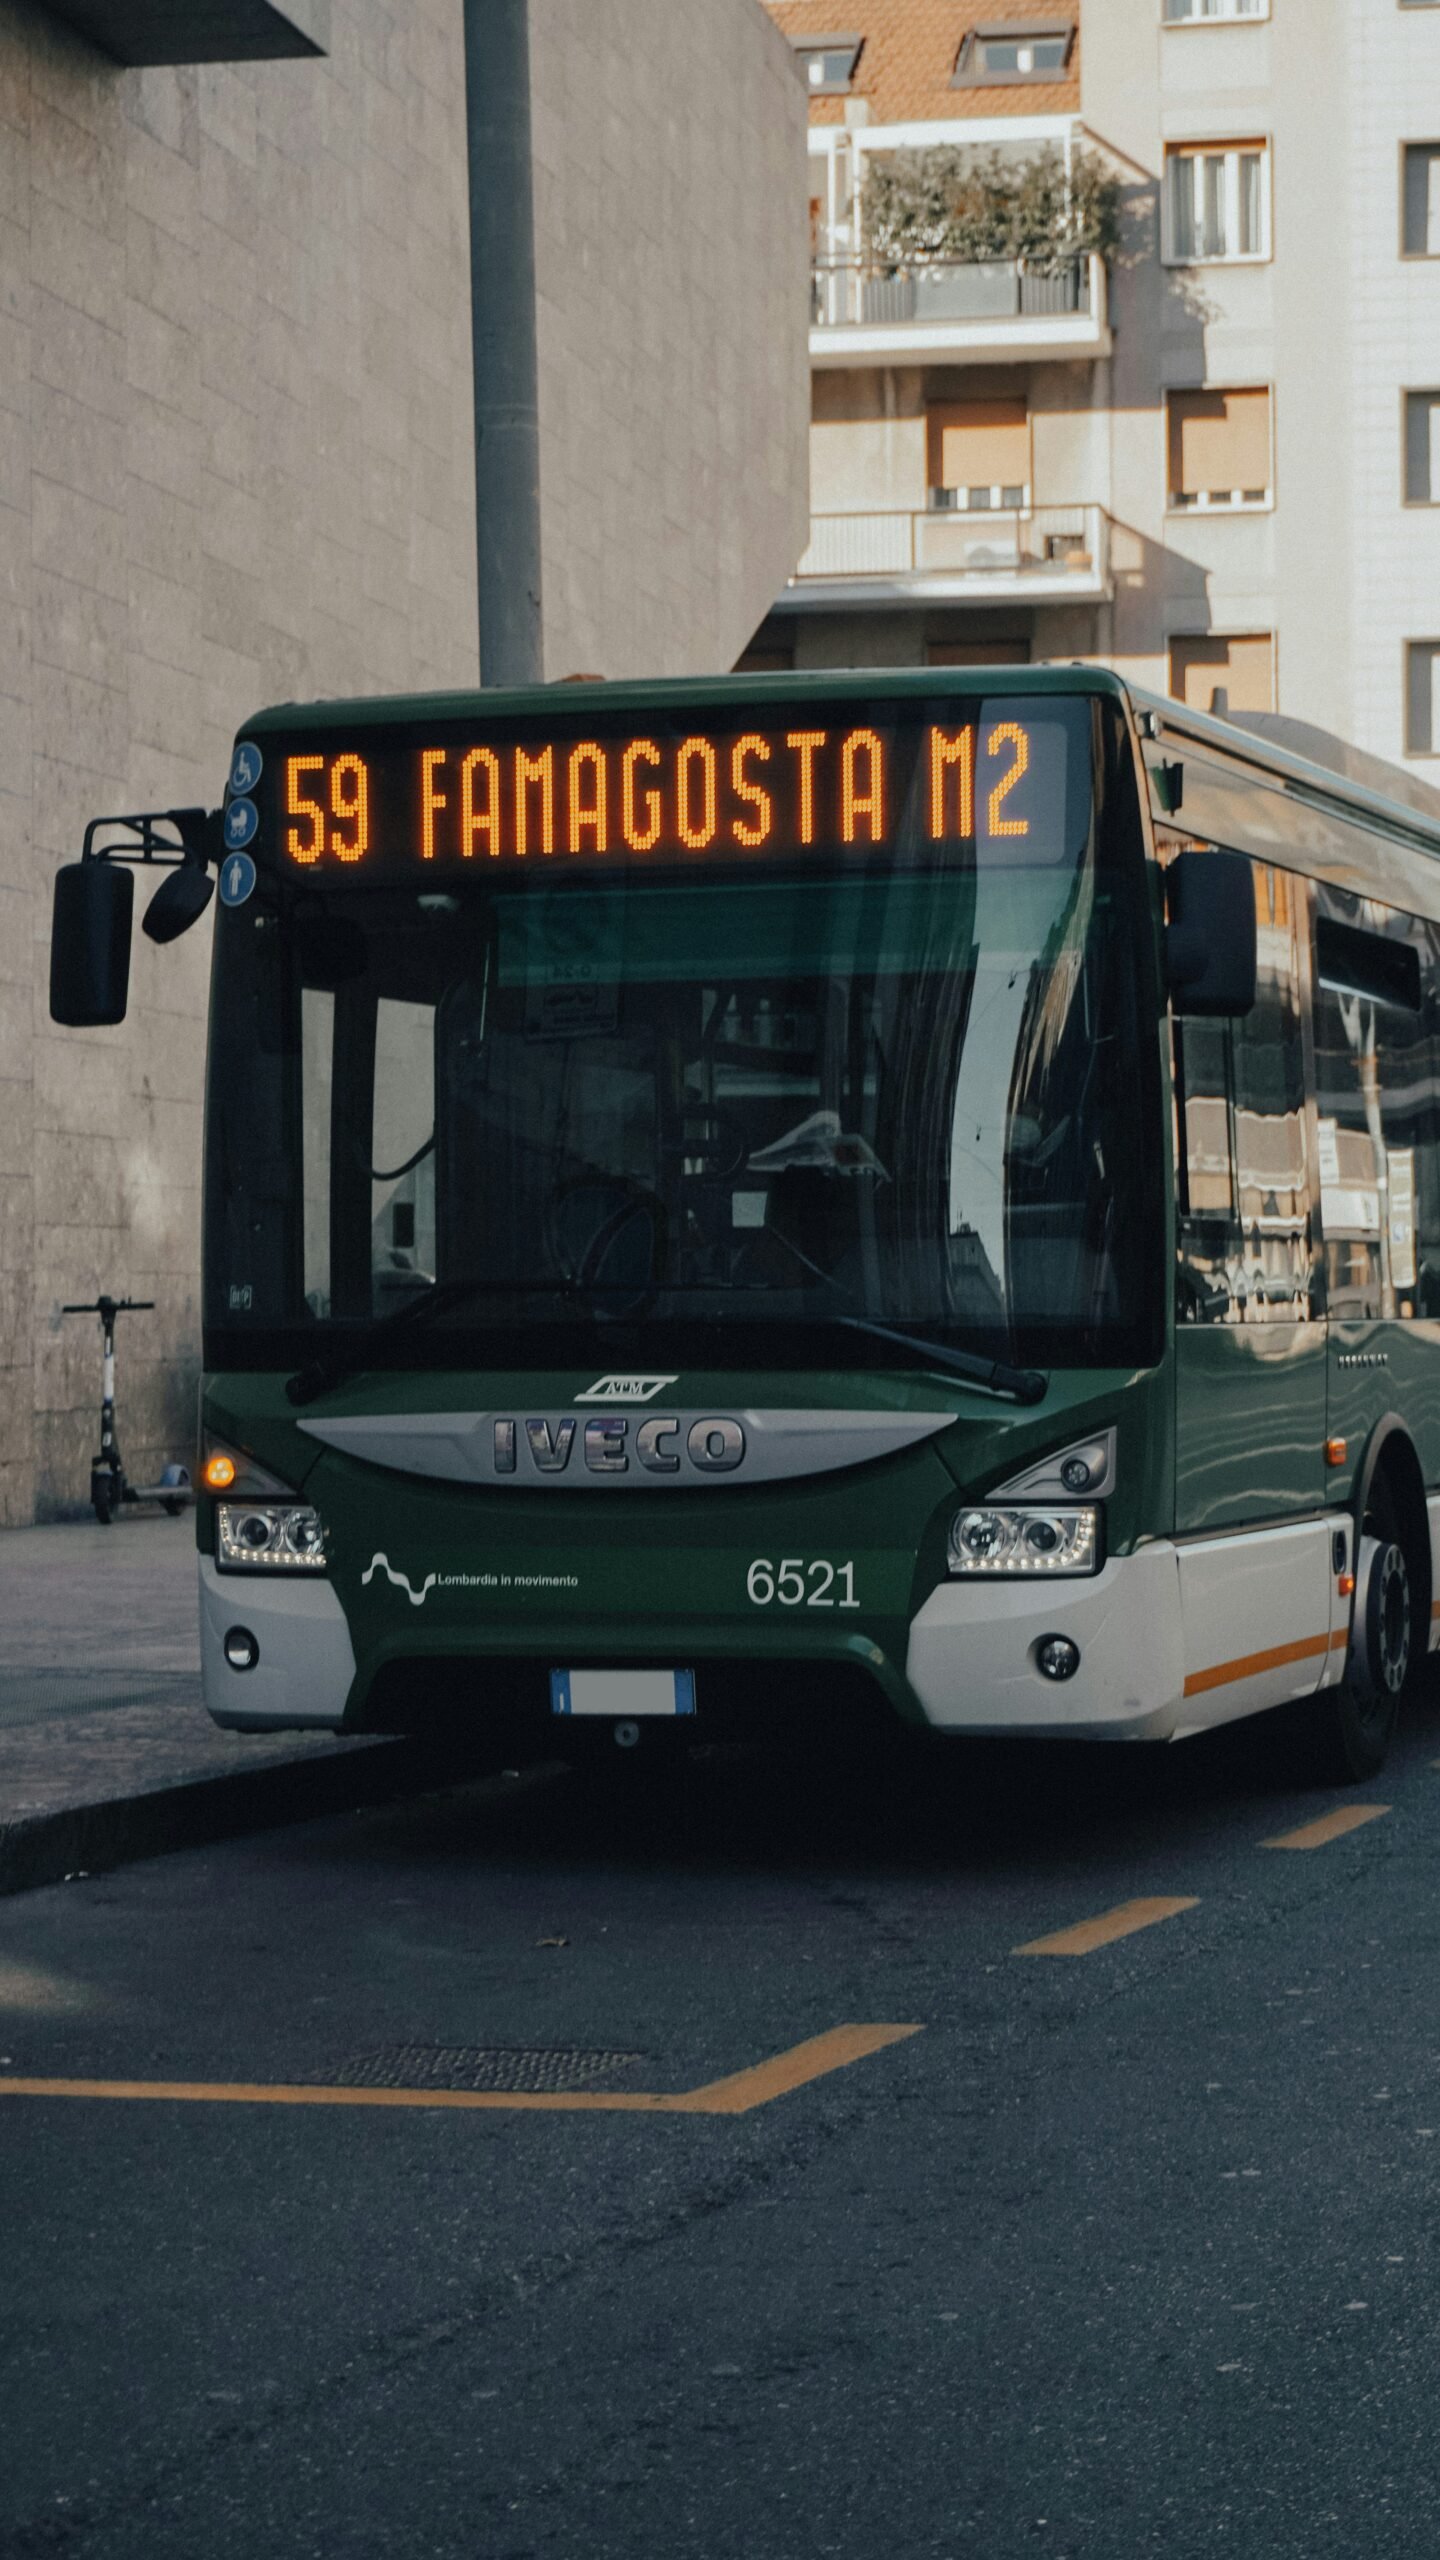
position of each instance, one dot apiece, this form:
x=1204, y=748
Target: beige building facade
x=237, y=466
x=1216, y=464
x=1276, y=376
x=960, y=427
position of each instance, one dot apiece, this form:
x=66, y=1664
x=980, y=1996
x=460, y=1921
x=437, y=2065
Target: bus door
x=1256, y=1578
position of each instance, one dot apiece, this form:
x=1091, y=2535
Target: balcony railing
x=851, y=292
x=1046, y=551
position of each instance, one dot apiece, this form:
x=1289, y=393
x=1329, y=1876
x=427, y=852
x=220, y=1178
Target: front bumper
x=306, y=1665
x=970, y=1665
x=971, y=1659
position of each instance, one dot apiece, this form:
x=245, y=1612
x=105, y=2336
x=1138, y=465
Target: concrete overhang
x=938, y=586
x=1056, y=338
x=154, y=31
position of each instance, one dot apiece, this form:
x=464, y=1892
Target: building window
x=1219, y=449
x=827, y=63
x=1215, y=671
x=1422, y=448
x=978, y=454
x=1420, y=210
x=1195, y=13
x=1217, y=202
x=1422, y=697
x=990, y=55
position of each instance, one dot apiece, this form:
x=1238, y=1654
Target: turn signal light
x=1336, y=1452
x=1345, y=1585
x=218, y=1472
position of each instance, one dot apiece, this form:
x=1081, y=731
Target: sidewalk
x=106, y=1751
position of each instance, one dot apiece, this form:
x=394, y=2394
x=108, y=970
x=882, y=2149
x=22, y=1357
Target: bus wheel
x=1356, y=1722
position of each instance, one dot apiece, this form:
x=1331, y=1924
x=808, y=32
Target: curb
x=44, y=1848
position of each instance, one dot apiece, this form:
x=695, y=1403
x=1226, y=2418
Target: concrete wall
x=673, y=307
x=236, y=466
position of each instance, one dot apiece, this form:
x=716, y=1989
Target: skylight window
x=827, y=63
x=1001, y=53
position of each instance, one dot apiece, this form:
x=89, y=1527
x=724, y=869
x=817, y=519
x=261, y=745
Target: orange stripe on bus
x=1247, y=1665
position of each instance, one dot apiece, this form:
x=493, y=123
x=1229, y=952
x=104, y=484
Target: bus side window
x=1247, y=1189
x=1274, y=1179
x=1209, y=1275
x=1375, y=1078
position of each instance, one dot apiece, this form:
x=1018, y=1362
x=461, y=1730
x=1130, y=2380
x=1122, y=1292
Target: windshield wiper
x=1027, y=1386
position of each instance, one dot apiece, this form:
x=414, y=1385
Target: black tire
x=1352, y=1727
x=104, y=1504
x=174, y=1509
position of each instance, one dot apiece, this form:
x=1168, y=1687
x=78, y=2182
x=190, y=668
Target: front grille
x=518, y=2070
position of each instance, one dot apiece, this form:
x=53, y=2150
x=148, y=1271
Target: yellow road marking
x=1330, y=1826
x=1107, y=1926
x=734, y=2096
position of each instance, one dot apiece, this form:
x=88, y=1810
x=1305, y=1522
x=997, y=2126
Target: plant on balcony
x=969, y=207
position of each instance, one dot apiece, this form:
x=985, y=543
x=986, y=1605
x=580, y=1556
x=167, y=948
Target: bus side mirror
x=1210, y=933
x=180, y=901
x=90, y=944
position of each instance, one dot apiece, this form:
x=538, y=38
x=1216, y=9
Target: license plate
x=622, y=1693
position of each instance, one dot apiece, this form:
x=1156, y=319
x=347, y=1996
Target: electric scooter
x=109, y=1485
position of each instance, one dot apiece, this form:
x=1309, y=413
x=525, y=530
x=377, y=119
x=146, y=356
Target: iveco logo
x=662, y=1444
x=601, y=1453
x=623, y=1390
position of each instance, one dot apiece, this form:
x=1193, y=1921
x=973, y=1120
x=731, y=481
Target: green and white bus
x=907, y=1191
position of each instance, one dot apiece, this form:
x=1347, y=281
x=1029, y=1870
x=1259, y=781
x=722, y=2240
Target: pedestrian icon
x=237, y=879
x=247, y=768
x=242, y=820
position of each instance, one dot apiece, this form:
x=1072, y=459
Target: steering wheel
x=621, y=1202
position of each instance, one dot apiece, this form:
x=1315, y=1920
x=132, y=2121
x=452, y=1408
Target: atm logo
x=624, y=1390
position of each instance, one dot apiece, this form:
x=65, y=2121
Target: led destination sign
x=762, y=794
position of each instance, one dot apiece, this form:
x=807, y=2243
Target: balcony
x=861, y=314
x=1036, y=555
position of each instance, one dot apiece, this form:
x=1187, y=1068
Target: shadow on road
x=892, y=1803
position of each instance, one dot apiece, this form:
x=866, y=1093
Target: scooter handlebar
x=115, y=1306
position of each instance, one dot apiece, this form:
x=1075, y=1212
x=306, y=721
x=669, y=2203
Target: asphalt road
x=1128, y=2250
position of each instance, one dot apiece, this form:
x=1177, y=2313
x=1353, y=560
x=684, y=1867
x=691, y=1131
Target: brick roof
x=909, y=53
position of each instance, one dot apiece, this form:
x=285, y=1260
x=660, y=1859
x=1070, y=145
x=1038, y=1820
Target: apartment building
x=1217, y=467
x=1277, y=355
x=959, y=425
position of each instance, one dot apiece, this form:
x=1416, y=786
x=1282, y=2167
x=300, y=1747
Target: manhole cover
x=516, y=2068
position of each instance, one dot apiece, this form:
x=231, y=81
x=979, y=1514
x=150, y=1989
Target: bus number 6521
x=794, y=1582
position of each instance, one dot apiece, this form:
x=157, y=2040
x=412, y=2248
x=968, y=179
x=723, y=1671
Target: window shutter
x=980, y=444
x=1242, y=666
x=1219, y=441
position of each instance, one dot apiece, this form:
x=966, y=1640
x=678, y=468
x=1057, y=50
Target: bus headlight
x=1009, y=1538
x=269, y=1537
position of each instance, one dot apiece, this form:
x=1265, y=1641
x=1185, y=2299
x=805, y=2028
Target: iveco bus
x=909, y=1188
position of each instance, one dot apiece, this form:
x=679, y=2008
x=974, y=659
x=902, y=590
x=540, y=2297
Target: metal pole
x=502, y=302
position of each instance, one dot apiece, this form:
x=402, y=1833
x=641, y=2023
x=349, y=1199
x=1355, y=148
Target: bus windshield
x=706, y=1113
